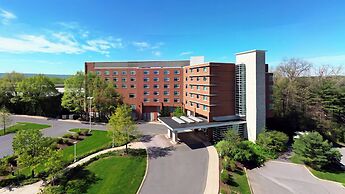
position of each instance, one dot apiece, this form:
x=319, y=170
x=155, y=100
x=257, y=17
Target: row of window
x=146, y=72
x=164, y=100
x=197, y=87
x=165, y=93
x=197, y=96
x=197, y=105
x=197, y=78
x=204, y=69
x=156, y=79
x=146, y=79
x=146, y=86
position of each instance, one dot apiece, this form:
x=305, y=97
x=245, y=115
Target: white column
x=169, y=133
x=174, y=136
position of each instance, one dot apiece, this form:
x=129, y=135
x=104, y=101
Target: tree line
x=308, y=98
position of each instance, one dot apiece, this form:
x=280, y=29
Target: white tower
x=254, y=62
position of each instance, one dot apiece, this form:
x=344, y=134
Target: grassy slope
x=23, y=126
x=118, y=174
x=98, y=140
x=240, y=182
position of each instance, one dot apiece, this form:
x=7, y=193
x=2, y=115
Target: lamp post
x=90, y=98
x=75, y=151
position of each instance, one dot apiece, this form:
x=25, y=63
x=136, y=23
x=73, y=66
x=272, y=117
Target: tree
x=315, y=151
x=73, y=98
x=53, y=164
x=249, y=153
x=5, y=118
x=121, y=126
x=178, y=112
x=273, y=141
x=31, y=148
x=8, y=92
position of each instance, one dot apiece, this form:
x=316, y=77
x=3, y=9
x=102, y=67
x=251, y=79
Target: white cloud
x=102, y=46
x=143, y=45
x=186, y=53
x=156, y=53
x=6, y=16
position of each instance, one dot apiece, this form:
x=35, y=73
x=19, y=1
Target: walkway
x=35, y=188
x=288, y=178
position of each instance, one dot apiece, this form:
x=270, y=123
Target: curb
x=250, y=186
x=147, y=169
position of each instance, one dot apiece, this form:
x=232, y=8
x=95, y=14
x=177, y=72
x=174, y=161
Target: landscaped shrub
x=316, y=152
x=224, y=176
x=251, y=154
x=67, y=135
x=75, y=136
x=273, y=141
x=228, y=163
x=53, y=190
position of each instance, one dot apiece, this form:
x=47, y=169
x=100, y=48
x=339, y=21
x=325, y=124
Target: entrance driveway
x=287, y=178
x=173, y=169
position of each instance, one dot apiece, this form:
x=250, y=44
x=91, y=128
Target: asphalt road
x=176, y=169
x=59, y=128
x=342, y=151
x=287, y=178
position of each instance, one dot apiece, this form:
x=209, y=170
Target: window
x=146, y=79
x=155, y=100
x=166, y=99
x=191, y=95
x=198, y=87
x=205, y=69
x=106, y=72
x=176, y=93
x=204, y=107
x=115, y=79
x=176, y=79
x=156, y=79
x=132, y=72
x=204, y=98
x=166, y=86
x=124, y=86
x=186, y=78
x=197, y=105
x=186, y=93
x=155, y=93
x=155, y=86
x=115, y=73
x=166, y=93
x=186, y=70
x=106, y=79
x=131, y=95
x=191, y=78
x=124, y=72
x=186, y=86
x=146, y=86
x=133, y=86
x=156, y=72
x=166, y=72
x=197, y=96
x=191, y=70
x=98, y=73
x=191, y=87
x=177, y=72
x=115, y=86
x=176, y=100
x=146, y=100
x=124, y=79
x=205, y=78
x=197, y=78
x=132, y=79
x=166, y=79
x=146, y=93
x=176, y=86
x=146, y=72
x=205, y=88
x=133, y=107
x=191, y=103
x=197, y=69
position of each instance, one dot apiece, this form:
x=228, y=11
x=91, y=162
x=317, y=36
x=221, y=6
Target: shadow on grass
x=157, y=152
x=146, y=138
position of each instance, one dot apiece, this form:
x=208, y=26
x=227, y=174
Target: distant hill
x=48, y=75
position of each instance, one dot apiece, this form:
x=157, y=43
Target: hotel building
x=215, y=96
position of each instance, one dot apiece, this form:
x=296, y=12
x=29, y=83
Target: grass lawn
x=117, y=174
x=239, y=182
x=23, y=126
x=332, y=176
x=97, y=141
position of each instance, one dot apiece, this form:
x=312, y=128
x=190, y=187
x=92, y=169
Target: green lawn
x=239, y=182
x=23, y=126
x=117, y=174
x=97, y=141
x=332, y=176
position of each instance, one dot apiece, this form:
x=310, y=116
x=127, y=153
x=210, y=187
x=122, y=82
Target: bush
x=228, y=164
x=67, y=135
x=250, y=154
x=273, y=141
x=314, y=151
x=224, y=176
x=178, y=112
x=53, y=190
x=75, y=136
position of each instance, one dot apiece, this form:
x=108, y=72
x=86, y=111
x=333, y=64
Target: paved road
x=287, y=178
x=175, y=169
x=342, y=151
x=59, y=128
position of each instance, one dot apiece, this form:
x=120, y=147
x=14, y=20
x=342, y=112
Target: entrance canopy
x=184, y=124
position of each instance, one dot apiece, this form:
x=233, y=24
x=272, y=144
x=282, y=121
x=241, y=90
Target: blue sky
x=58, y=36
